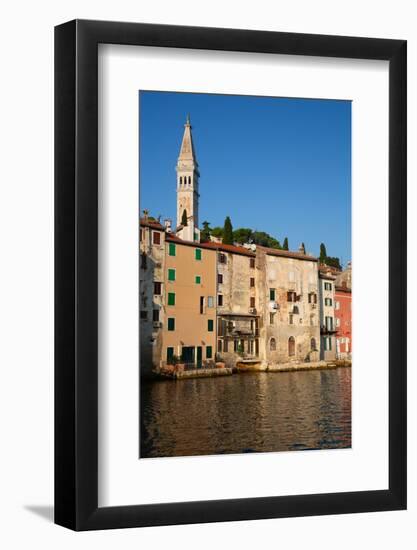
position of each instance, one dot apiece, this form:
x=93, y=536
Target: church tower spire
x=187, y=188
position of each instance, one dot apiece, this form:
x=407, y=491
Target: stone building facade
x=327, y=315
x=287, y=301
x=237, y=318
x=343, y=318
x=151, y=292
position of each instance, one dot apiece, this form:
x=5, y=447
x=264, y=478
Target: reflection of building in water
x=202, y=302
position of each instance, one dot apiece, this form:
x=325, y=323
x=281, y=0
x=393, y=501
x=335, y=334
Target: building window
x=252, y=281
x=170, y=355
x=312, y=298
x=219, y=346
x=295, y=310
x=252, y=301
x=156, y=237
x=198, y=253
x=312, y=320
x=157, y=287
x=209, y=352
x=328, y=343
x=143, y=314
x=220, y=300
x=313, y=344
x=155, y=316
x=171, y=274
x=337, y=322
x=171, y=298
x=252, y=262
x=219, y=278
x=291, y=346
x=171, y=323
x=172, y=249
x=272, y=294
x=271, y=318
x=337, y=305
x=272, y=344
x=328, y=301
x=198, y=280
x=235, y=345
x=222, y=258
x=291, y=296
x=143, y=258
x=291, y=319
x=210, y=325
x=327, y=286
x=210, y=301
x=329, y=323
x=201, y=305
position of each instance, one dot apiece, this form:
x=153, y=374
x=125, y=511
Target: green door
x=199, y=356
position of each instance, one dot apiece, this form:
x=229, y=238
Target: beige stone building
x=151, y=292
x=237, y=317
x=327, y=316
x=288, y=304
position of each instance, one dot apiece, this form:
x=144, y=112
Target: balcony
x=328, y=329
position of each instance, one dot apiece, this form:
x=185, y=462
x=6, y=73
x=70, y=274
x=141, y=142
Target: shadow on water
x=247, y=413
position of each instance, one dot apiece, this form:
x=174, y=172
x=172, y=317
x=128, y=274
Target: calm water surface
x=259, y=412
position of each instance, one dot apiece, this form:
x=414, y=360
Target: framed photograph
x=230, y=254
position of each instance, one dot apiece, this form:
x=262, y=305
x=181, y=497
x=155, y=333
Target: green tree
x=242, y=235
x=323, y=253
x=184, y=220
x=285, y=244
x=227, y=231
x=205, y=232
x=333, y=262
x=217, y=232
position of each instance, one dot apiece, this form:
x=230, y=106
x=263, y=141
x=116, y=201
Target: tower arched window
x=273, y=344
x=291, y=346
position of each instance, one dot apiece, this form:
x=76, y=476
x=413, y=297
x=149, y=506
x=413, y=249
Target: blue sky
x=279, y=165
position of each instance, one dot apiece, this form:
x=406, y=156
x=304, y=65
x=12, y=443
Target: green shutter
x=170, y=354
x=171, y=323
x=171, y=298
x=198, y=254
x=198, y=280
x=210, y=325
x=272, y=294
x=209, y=352
x=172, y=249
x=171, y=274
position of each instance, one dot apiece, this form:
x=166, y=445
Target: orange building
x=343, y=316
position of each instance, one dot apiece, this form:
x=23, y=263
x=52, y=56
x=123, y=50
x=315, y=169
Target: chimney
x=167, y=224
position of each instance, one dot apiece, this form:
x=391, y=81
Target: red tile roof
x=233, y=249
x=170, y=237
x=287, y=254
x=151, y=223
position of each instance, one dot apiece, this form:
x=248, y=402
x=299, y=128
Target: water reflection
x=247, y=413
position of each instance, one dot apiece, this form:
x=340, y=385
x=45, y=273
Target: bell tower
x=187, y=188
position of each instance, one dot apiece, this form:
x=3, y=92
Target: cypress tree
x=184, y=220
x=227, y=231
x=323, y=253
x=285, y=244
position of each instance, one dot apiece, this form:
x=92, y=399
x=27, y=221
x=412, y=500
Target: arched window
x=189, y=180
x=313, y=344
x=291, y=346
x=295, y=310
x=272, y=344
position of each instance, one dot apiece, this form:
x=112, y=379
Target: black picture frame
x=76, y=272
